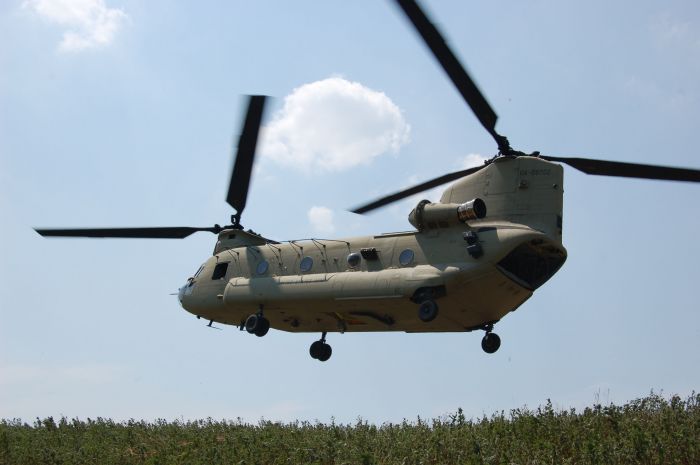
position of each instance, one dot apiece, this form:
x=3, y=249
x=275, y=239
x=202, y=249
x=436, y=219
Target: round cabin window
x=354, y=260
x=306, y=264
x=262, y=267
x=406, y=257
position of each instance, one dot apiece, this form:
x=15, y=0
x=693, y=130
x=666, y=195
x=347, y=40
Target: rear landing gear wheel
x=326, y=352
x=428, y=310
x=257, y=324
x=320, y=350
x=491, y=342
x=315, y=349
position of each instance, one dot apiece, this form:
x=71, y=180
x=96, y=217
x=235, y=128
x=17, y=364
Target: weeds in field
x=650, y=430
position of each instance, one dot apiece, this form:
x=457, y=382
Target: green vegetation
x=652, y=430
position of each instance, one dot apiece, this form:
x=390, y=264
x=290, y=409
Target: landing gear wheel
x=428, y=310
x=326, y=352
x=490, y=343
x=316, y=349
x=263, y=327
x=257, y=324
x=320, y=350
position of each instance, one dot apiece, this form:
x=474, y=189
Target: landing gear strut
x=490, y=342
x=320, y=350
x=257, y=324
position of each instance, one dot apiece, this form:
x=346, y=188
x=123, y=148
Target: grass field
x=651, y=430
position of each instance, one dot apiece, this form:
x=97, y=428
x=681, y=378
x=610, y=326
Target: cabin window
x=262, y=267
x=354, y=260
x=406, y=257
x=220, y=270
x=306, y=264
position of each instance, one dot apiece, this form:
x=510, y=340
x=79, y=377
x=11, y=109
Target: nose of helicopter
x=183, y=293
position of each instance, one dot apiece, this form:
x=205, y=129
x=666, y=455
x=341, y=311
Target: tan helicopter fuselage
x=476, y=271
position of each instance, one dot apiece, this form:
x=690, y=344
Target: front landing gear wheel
x=257, y=324
x=263, y=327
x=490, y=343
x=320, y=350
x=427, y=311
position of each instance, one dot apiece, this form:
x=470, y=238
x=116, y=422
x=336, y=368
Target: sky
x=125, y=112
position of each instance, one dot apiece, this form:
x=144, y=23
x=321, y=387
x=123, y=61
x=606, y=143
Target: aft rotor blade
x=245, y=155
x=454, y=69
x=415, y=189
x=177, y=232
x=628, y=170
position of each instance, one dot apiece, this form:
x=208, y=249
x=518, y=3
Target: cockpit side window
x=198, y=271
x=220, y=270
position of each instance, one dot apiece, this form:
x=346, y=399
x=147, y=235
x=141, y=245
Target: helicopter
x=479, y=253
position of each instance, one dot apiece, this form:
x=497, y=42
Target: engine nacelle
x=428, y=215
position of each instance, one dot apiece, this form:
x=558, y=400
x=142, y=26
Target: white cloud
x=333, y=125
x=471, y=160
x=674, y=32
x=321, y=219
x=89, y=23
x=648, y=90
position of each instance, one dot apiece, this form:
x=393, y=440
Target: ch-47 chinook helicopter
x=494, y=237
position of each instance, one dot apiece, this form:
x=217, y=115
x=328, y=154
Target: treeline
x=650, y=430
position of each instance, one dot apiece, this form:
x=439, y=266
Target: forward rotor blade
x=177, y=232
x=416, y=189
x=628, y=170
x=459, y=76
x=242, y=168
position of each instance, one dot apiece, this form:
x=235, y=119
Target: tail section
x=523, y=190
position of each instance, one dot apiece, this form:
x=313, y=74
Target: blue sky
x=123, y=113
